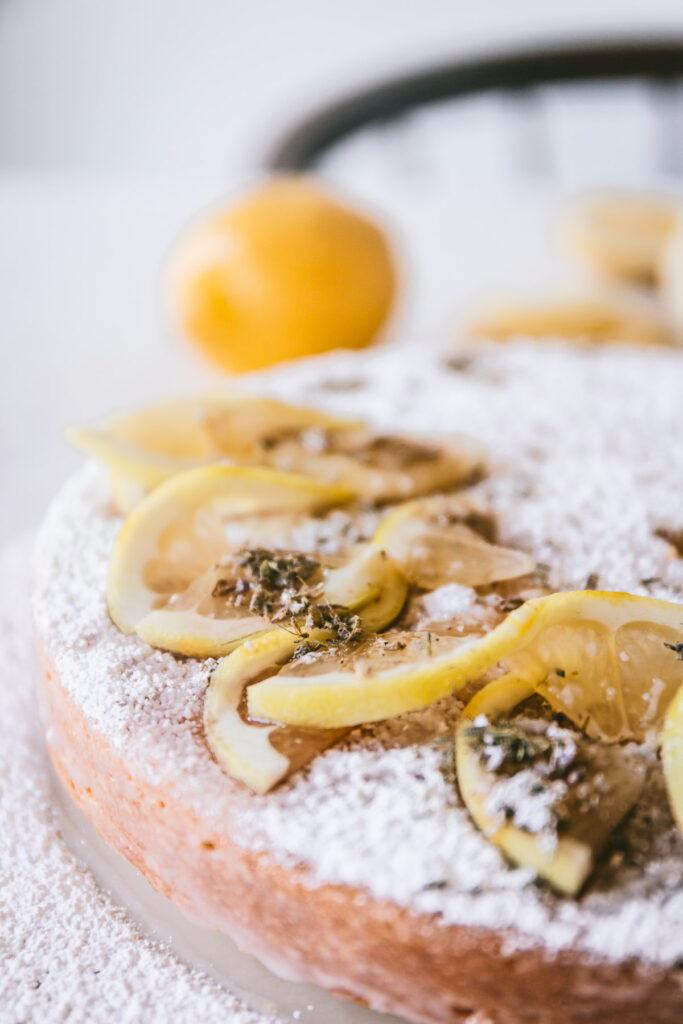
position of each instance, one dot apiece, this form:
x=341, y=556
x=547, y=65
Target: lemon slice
x=397, y=675
x=534, y=790
x=591, y=317
x=670, y=274
x=378, y=467
x=603, y=659
x=258, y=755
x=167, y=559
x=620, y=235
x=126, y=492
x=262, y=755
x=153, y=444
x=433, y=547
x=205, y=624
x=672, y=755
x=150, y=445
x=284, y=270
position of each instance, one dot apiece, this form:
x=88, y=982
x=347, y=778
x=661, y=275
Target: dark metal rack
x=655, y=61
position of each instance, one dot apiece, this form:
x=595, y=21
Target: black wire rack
x=657, y=63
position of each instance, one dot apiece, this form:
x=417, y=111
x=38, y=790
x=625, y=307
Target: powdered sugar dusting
x=67, y=951
x=585, y=446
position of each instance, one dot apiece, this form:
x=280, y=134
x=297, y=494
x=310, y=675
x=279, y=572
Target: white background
x=119, y=120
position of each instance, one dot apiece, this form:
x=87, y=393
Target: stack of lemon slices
x=293, y=546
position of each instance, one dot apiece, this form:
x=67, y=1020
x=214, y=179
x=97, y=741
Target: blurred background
x=120, y=121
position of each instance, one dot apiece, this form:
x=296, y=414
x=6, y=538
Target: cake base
x=209, y=951
x=336, y=936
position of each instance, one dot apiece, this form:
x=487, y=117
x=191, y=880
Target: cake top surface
x=585, y=447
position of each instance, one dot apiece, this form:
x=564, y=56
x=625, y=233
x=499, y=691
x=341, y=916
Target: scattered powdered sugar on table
x=586, y=448
x=67, y=952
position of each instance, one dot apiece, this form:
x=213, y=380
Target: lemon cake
x=374, y=863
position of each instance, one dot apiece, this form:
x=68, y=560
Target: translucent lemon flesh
x=433, y=551
x=603, y=660
x=379, y=467
x=285, y=271
x=568, y=859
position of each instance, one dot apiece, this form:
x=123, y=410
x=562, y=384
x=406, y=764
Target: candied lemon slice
x=156, y=442
x=533, y=791
x=366, y=686
x=588, y=318
x=242, y=748
x=262, y=755
x=672, y=755
x=153, y=444
x=433, y=547
x=160, y=580
x=604, y=659
x=378, y=467
x=256, y=754
x=620, y=235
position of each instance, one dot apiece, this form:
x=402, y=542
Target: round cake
x=363, y=872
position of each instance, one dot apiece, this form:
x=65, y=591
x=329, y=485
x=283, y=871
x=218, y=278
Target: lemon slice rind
x=242, y=749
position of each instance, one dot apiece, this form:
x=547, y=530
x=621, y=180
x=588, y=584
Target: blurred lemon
x=285, y=271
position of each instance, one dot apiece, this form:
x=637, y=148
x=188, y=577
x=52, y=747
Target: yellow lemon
x=285, y=271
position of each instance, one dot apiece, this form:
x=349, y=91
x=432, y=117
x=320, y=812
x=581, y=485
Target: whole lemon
x=285, y=271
